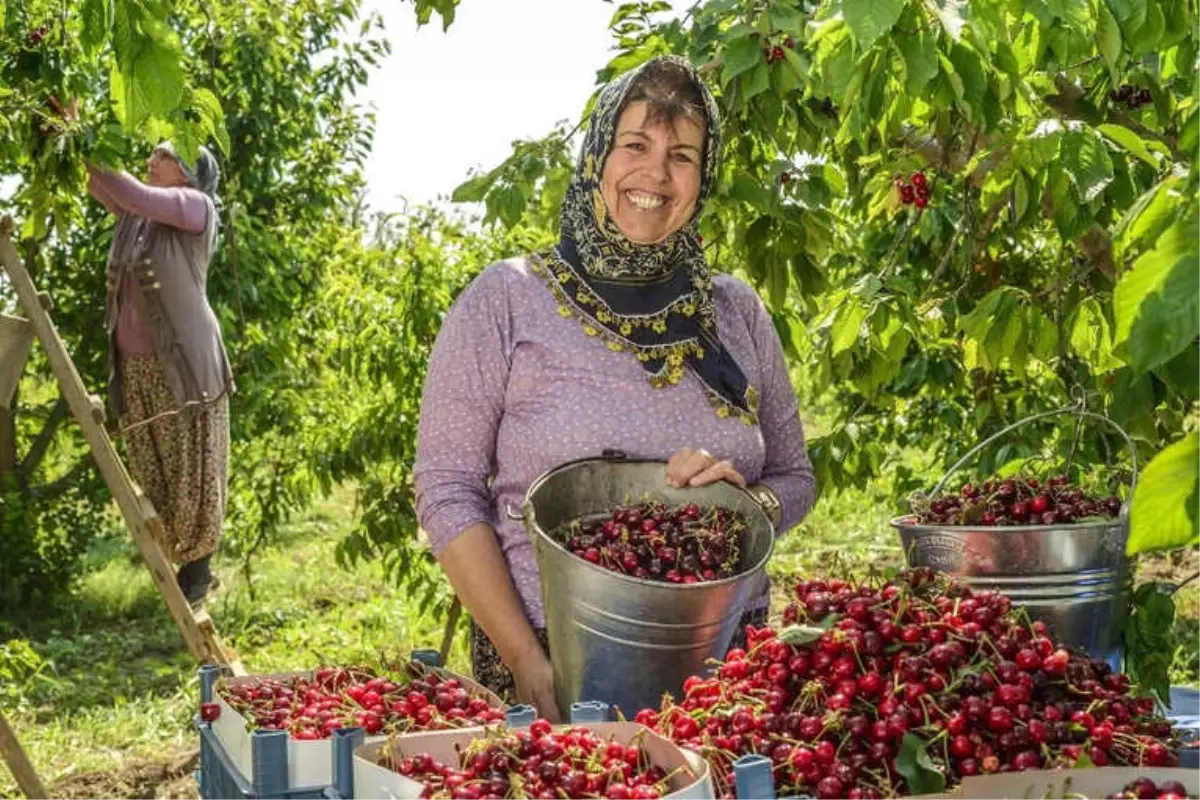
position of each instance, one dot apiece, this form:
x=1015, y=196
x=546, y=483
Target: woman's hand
x=690, y=467
x=534, y=679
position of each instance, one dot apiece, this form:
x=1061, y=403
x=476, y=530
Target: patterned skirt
x=489, y=668
x=181, y=460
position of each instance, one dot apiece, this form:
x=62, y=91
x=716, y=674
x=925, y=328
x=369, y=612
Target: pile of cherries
x=405, y=699
x=864, y=672
x=656, y=542
x=1020, y=500
x=915, y=191
x=774, y=52
x=1132, y=97
x=1146, y=789
x=537, y=763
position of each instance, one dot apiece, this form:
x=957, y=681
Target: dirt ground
x=171, y=778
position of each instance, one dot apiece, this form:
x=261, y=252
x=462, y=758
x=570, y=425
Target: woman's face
x=163, y=170
x=651, y=178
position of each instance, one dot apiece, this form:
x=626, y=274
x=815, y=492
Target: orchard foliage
x=1052, y=256
x=268, y=87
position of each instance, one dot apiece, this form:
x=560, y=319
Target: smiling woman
x=618, y=338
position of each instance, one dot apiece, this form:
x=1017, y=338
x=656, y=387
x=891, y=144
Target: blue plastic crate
x=219, y=778
x=1184, y=714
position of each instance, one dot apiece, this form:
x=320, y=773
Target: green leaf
x=757, y=81
x=835, y=60
x=97, y=19
x=870, y=19
x=1156, y=302
x=788, y=20
x=1180, y=373
x=1149, y=216
x=1086, y=163
x=151, y=86
x=1129, y=140
x=1189, y=137
x=1163, y=515
x=969, y=67
x=953, y=77
x=920, y=60
x=805, y=634
x=473, y=190
x=1043, y=334
x=1108, y=38
x=741, y=55
x=1145, y=39
x=209, y=108
x=794, y=63
x=1091, y=336
x=1020, y=195
x=949, y=13
x=1068, y=216
x=918, y=769
x=507, y=204
x=846, y=328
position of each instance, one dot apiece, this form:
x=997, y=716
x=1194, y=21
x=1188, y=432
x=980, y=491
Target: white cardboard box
x=1066, y=784
x=694, y=782
x=310, y=762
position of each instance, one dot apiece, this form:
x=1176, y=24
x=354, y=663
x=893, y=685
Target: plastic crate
x=219, y=778
x=1184, y=715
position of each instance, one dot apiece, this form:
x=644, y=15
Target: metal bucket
x=1074, y=577
x=622, y=640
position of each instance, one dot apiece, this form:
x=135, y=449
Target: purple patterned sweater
x=514, y=389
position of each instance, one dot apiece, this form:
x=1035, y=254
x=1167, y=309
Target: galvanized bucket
x=1074, y=577
x=623, y=640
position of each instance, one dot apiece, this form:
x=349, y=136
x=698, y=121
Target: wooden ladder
x=143, y=521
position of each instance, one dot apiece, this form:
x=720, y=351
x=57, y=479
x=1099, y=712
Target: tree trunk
x=8, y=440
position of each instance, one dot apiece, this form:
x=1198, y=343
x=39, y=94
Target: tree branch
x=37, y=451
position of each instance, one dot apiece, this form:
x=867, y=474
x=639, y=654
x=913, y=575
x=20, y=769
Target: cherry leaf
x=918, y=769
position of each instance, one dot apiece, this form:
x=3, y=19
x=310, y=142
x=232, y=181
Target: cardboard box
x=693, y=782
x=1098, y=782
x=310, y=762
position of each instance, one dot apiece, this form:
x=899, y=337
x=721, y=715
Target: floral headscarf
x=654, y=301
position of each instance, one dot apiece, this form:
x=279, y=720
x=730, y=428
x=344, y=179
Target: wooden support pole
x=18, y=763
x=140, y=517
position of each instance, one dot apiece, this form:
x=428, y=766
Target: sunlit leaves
x=1157, y=302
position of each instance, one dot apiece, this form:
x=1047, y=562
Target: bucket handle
x=1071, y=409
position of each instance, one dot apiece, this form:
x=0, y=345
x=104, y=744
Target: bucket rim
x=904, y=523
x=531, y=523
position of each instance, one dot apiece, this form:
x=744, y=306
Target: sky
x=446, y=102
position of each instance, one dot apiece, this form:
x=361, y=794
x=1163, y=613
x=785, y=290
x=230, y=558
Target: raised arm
x=96, y=189
x=180, y=207
x=787, y=471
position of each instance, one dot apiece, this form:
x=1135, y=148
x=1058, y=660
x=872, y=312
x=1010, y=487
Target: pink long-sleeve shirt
x=514, y=389
x=179, y=207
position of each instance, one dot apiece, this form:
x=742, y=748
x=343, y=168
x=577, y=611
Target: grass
x=118, y=686
x=113, y=699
